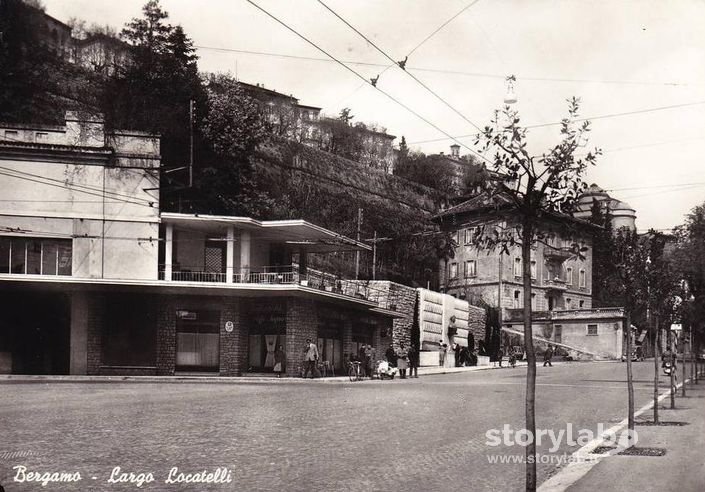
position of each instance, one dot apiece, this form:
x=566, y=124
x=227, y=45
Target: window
x=517, y=302
x=453, y=270
x=582, y=278
x=533, y=302
x=454, y=237
x=35, y=256
x=517, y=267
x=471, y=234
x=558, y=334
x=470, y=268
x=533, y=268
x=569, y=276
x=582, y=303
x=11, y=134
x=592, y=330
x=568, y=303
x=40, y=136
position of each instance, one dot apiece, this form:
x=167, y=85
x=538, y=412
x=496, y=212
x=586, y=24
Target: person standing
x=442, y=348
x=413, y=361
x=310, y=358
x=402, y=360
x=547, y=356
x=279, y=361
x=500, y=356
x=391, y=355
x=456, y=350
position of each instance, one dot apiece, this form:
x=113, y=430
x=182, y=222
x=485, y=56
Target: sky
x=641, y=57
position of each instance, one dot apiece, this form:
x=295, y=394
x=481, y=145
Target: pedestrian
x=310, y=358
x=456, y=350
x=442, y=347
x=402, y=360
x=413, y=361
x=370, y=356
x=547, y=356
x=362, y=357
x=279, y=360
x=500, y=356
x=391, y=356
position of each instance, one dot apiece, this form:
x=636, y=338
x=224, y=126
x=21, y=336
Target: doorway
x=198, y=340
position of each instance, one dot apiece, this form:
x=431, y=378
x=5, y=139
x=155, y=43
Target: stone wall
x=301, y=324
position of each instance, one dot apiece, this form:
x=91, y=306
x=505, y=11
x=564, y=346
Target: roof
x=312, y=237
x=270, y=92
x=494, y=202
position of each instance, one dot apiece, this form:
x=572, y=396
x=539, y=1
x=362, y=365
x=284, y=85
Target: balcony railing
x=555, y=283
x=289, y=274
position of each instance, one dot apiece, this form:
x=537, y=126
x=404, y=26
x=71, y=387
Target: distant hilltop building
x=367, y=144
x=622, y=214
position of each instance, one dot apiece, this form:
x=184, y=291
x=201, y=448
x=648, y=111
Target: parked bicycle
x=355, y=370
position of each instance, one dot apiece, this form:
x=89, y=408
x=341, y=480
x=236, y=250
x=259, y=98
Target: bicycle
x=355, y=371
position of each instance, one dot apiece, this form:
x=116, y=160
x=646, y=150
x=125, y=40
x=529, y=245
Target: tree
x=430, y=171
x=534, y=188
x=232, y=131
x=153, y=92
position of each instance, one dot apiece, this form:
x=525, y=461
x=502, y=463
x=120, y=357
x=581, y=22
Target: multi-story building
x=561, y=299
x=305, y=124
x=95, y=279
x=101, y=53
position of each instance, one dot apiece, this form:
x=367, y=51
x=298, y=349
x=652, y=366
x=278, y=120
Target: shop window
x=129, y=332
x=266, y=332
x=35, y=256
x=592, y=330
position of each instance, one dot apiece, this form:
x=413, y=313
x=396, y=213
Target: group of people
x=463, y=356
x=404, y=359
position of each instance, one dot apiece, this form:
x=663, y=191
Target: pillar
x=230, y=256
x=168, y=251
x=245, y=246
x=301, y=323
x=233, y=343
x=78, y=363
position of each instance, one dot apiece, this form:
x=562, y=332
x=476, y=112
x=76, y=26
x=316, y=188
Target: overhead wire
x=588, y=118
x=365, y=80
x=416, y=79
x=454, y=72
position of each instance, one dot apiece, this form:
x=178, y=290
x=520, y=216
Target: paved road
x=425, y=434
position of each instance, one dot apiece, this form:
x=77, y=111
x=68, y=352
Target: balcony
x=557, y=254
x=556, y=283
x=288, y=274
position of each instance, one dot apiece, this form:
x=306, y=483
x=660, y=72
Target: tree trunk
x=630, y=380
x=530, y=406
x=683, y=366
x=657, y=342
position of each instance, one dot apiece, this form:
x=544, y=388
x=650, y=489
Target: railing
x=289, y=274
x=556, y=283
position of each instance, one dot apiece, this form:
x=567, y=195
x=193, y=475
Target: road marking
x=582, y=460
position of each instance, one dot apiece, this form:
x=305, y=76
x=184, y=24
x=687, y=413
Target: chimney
x=455, y=151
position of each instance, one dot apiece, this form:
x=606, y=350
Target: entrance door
x=198, y=340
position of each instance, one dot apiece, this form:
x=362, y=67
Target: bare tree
x=536, y=188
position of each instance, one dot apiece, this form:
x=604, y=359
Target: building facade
x=561, y=298
x=96, y=279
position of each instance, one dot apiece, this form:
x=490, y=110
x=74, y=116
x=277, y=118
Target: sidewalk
x=682, y=468
x=264, y=378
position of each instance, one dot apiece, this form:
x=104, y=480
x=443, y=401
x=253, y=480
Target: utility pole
x=374, y=257
x=357, y=253
x=190, y=164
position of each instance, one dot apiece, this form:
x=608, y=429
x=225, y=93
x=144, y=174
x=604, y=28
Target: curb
x=582, y=460
x=432, y=371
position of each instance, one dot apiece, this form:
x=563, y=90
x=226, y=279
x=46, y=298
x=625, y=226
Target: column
x=79, y=334
x=168, y=251
x=245, y=245
x=230, y=255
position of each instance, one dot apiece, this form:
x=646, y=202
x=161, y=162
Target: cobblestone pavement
x=424, y=434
